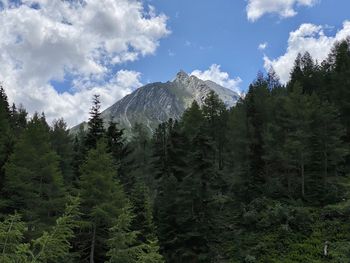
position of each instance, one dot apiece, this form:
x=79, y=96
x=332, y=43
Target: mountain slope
x=157, y=102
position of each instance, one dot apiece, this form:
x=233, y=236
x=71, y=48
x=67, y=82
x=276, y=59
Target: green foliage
x=125, y=248
x=34, y=183
x=266, y=181
x=102, y=198
x=95, y=125
x=62, y=143
x=51, y=246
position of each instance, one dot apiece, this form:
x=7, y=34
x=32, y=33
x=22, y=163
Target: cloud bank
x=80, y=40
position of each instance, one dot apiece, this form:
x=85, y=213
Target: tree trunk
x=92, y=251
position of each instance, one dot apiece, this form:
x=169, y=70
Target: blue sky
x=56, y=54
x=220, y=33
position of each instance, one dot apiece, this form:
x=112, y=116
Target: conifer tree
x=328, y=153
x=339, y=64
x=215, y=114
x=138, y=160
x=119, y=149
x=18, y=120
x=258, y=110
x=5, y=134
x=195, y=195
x=33, y=181
x=238, y=154
x=62, y=143
x=192, y=120
x=123, y=244
x=299, y=109
x=95, y=125
x=102, y=201
x=51, y=246
x=79, y=153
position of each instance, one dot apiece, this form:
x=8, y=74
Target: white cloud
x=307, y=38
x=284, y=8
x=83, y=40
x=263, y=46
x=74, y=107
x=222, y=78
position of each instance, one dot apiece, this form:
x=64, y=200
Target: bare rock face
x=157, y=102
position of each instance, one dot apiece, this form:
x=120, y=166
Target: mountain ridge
x=156, y=102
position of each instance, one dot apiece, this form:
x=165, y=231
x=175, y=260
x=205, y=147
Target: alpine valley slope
x=157, y=102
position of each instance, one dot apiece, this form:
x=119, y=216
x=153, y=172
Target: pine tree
x=119, y=149
x=95, y=125
x=299, y=109
x=11, y=237
x=18, y=120
x=329, y=153
x=62, y=143
x=138, y=160
x=258, y=108
x=79, y=154
x=192, y=120
x=115, y=140
x=123, y=244
x=51, y=246
x=5, y=134
x=143, y=210
x=215, y=114
x=102, y=201
x=33, y=181
x=339, y=65
x=277, y=162
x=170, y=164
x=195, y=195
x=239, y=181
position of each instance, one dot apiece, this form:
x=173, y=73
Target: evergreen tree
x=192, y=120
x=51, y=246
x=329, y=153
x=79, y=154
x=215, y=114
x=62, y=143
x=95, y=125
x=299, y=109
x=123, y=244
x=5, y=134
x=33, y=181
x=18, y=120
x=195, y=196
x=143, y=210
x=339, y=65
x=118, y=147
x=138, y=160
x=102, y=201
x=171, y=167
x=258, y=108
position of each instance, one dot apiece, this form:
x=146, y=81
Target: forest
x=265, y=181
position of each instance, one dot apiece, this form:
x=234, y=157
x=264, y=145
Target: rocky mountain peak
x=157, y=102
x=181, y=77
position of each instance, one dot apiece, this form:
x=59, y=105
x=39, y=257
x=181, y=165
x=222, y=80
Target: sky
x=55, y=54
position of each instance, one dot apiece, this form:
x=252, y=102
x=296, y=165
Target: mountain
x=157, y=102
